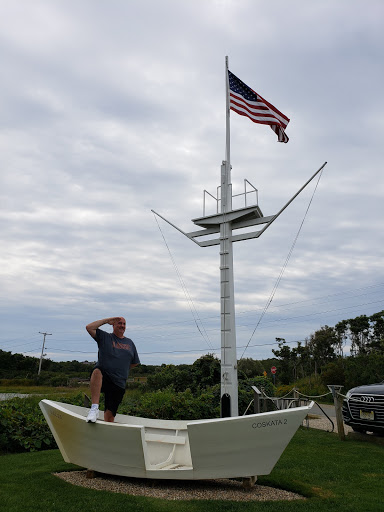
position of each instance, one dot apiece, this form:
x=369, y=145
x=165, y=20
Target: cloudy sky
x=111, y=109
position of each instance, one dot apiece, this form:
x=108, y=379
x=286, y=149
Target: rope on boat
x=269, y=301
x=189, y=299
x=298, y=392
x=314, y=396
x=289, y=392
x=249, y=405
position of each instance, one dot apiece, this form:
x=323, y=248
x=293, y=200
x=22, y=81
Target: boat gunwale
x=140, y=421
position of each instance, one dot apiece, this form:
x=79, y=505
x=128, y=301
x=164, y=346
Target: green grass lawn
x=334, y=475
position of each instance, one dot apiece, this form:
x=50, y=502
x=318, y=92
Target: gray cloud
x=109, y=110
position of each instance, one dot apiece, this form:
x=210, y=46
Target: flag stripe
x=254, y=107
x=246, y=102
x=279, y=115
x=256, y=119
x=257, y=115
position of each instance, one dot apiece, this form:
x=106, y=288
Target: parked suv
x=363, y=408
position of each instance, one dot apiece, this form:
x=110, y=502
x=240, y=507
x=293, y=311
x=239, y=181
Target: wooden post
x=249, y=482
x=256, y=400
x=337, y=400
x=296, y=397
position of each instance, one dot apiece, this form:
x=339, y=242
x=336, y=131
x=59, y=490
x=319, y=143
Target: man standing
x=117, y=355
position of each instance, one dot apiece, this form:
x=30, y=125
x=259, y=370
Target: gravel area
x=224, y=489
x=9, y=396
x=322, y=423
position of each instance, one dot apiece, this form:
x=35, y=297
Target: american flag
x=246, y=102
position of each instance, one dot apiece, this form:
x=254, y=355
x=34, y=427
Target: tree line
x=323, y=352
x=18, y=366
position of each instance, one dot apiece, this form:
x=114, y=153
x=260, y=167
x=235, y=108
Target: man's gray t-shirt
x=116, y=356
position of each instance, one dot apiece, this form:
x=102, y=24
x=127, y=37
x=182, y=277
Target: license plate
x=367, y=415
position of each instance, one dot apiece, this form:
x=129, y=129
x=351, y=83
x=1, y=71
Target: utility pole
x=42, y=349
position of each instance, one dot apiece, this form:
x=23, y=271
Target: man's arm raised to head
x=93, y=326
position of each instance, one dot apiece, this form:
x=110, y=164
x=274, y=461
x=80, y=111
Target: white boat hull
x=241, y=446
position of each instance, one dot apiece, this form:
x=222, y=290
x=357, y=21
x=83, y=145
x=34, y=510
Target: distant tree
x=333, y=373
x=168, y=376
x=250, y=367
x=364, y=369
x=322, y=346
x=303, y=361
x=286, y=364
x=365, y=333
x=144, y=369
x=17, y=365
x=376, y=343
x=203, y=373
x=341, y=331
x=360, y=334
x=206, y=371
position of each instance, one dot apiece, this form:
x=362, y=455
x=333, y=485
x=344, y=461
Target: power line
x=183, y=336
x=324, y=312
x=244, y=312
x=215, y=349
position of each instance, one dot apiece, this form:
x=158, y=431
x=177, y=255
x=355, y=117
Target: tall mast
x=225, y=221
x=227, y=117
x=229, y=386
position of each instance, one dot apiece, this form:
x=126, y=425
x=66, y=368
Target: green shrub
x=333, y=373
x=284, y=389
x=72, y=398
x=170, y=405
x=246, y=393
x=23, y=426
x=363, y=369
x=202, y=374
x=312, y=386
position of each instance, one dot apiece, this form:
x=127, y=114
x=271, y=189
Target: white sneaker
x=93, y=415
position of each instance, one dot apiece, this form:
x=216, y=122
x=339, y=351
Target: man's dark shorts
x=113, y=394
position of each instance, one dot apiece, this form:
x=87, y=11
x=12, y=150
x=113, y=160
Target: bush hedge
x=23, y=426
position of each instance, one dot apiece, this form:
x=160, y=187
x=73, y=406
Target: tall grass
x=42, y=390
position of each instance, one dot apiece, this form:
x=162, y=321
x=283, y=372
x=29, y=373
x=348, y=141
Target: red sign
x=273, y=370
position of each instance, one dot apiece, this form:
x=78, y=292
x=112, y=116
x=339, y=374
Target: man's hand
x=93, y=326
x=114, y=320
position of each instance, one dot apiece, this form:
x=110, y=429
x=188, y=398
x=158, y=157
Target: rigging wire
x=274, y=289
x=191, y=304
